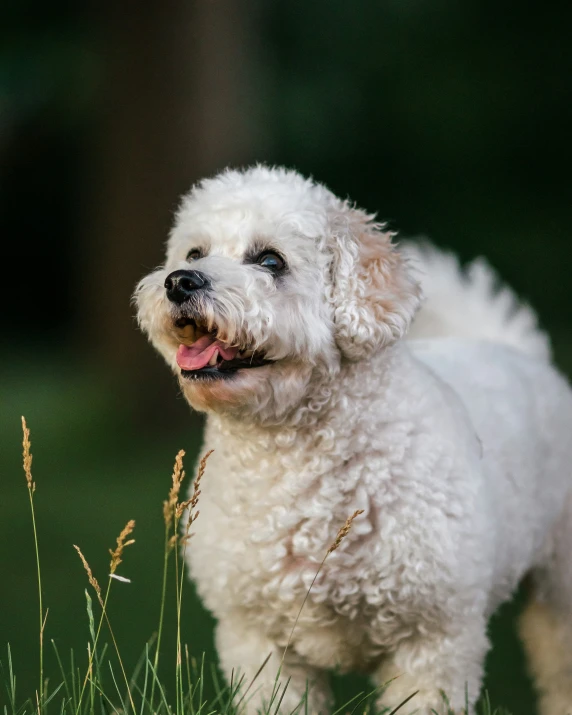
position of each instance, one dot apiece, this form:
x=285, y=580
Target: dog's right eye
x=272, y=261
x=194, y=254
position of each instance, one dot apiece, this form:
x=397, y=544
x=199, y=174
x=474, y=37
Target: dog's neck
x=326, y=385
x=274, y=463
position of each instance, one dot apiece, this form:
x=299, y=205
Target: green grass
x=95, y=467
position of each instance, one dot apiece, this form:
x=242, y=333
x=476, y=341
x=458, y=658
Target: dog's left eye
x=272, y=261
x=194, y=254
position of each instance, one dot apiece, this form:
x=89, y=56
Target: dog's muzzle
x=182, y=285
x=202, y=354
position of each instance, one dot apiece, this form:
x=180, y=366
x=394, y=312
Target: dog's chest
x=268, y=519
x=266, y=575
x=261, y=557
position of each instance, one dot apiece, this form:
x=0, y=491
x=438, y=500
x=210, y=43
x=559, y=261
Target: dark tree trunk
x=175, y=105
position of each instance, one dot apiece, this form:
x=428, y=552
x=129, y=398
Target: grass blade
x=403, y=703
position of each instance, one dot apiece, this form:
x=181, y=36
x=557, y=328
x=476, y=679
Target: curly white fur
x=455, y=445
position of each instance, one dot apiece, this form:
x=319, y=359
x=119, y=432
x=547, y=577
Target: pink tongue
x=198, y=354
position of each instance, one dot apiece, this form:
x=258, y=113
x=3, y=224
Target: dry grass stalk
x=116, y=553
x=26, y=444
x=44, y=623
x=27, y=460
x=92, y=580
x=121, y=544
x=180, y=508
x=170, y=505
x=344, y=531
x=192, y=503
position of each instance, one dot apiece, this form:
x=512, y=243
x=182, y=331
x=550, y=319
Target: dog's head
x=270, y=280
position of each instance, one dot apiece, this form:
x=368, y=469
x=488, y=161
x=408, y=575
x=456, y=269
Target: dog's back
x=471, y=303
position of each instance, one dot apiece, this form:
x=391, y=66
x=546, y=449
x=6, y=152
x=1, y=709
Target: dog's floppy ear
x=374, y=297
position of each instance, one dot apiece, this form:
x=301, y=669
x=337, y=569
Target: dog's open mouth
x=202, y=355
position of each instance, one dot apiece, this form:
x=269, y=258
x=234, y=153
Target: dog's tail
x=471, y=303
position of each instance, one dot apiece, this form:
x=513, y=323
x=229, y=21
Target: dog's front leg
x=443, y=670
x=242, y=651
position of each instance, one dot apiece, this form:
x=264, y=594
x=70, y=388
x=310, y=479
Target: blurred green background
x=451, y=118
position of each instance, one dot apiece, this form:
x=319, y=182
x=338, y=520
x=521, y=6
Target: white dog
x=282, y=310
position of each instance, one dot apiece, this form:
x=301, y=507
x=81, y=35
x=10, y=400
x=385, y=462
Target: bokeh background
x=450, y=118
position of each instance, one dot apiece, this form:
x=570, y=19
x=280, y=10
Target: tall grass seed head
x=344, y=531
x=122, y=543
x=27, y=456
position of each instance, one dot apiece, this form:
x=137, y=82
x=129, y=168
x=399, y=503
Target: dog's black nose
x=180, y=285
